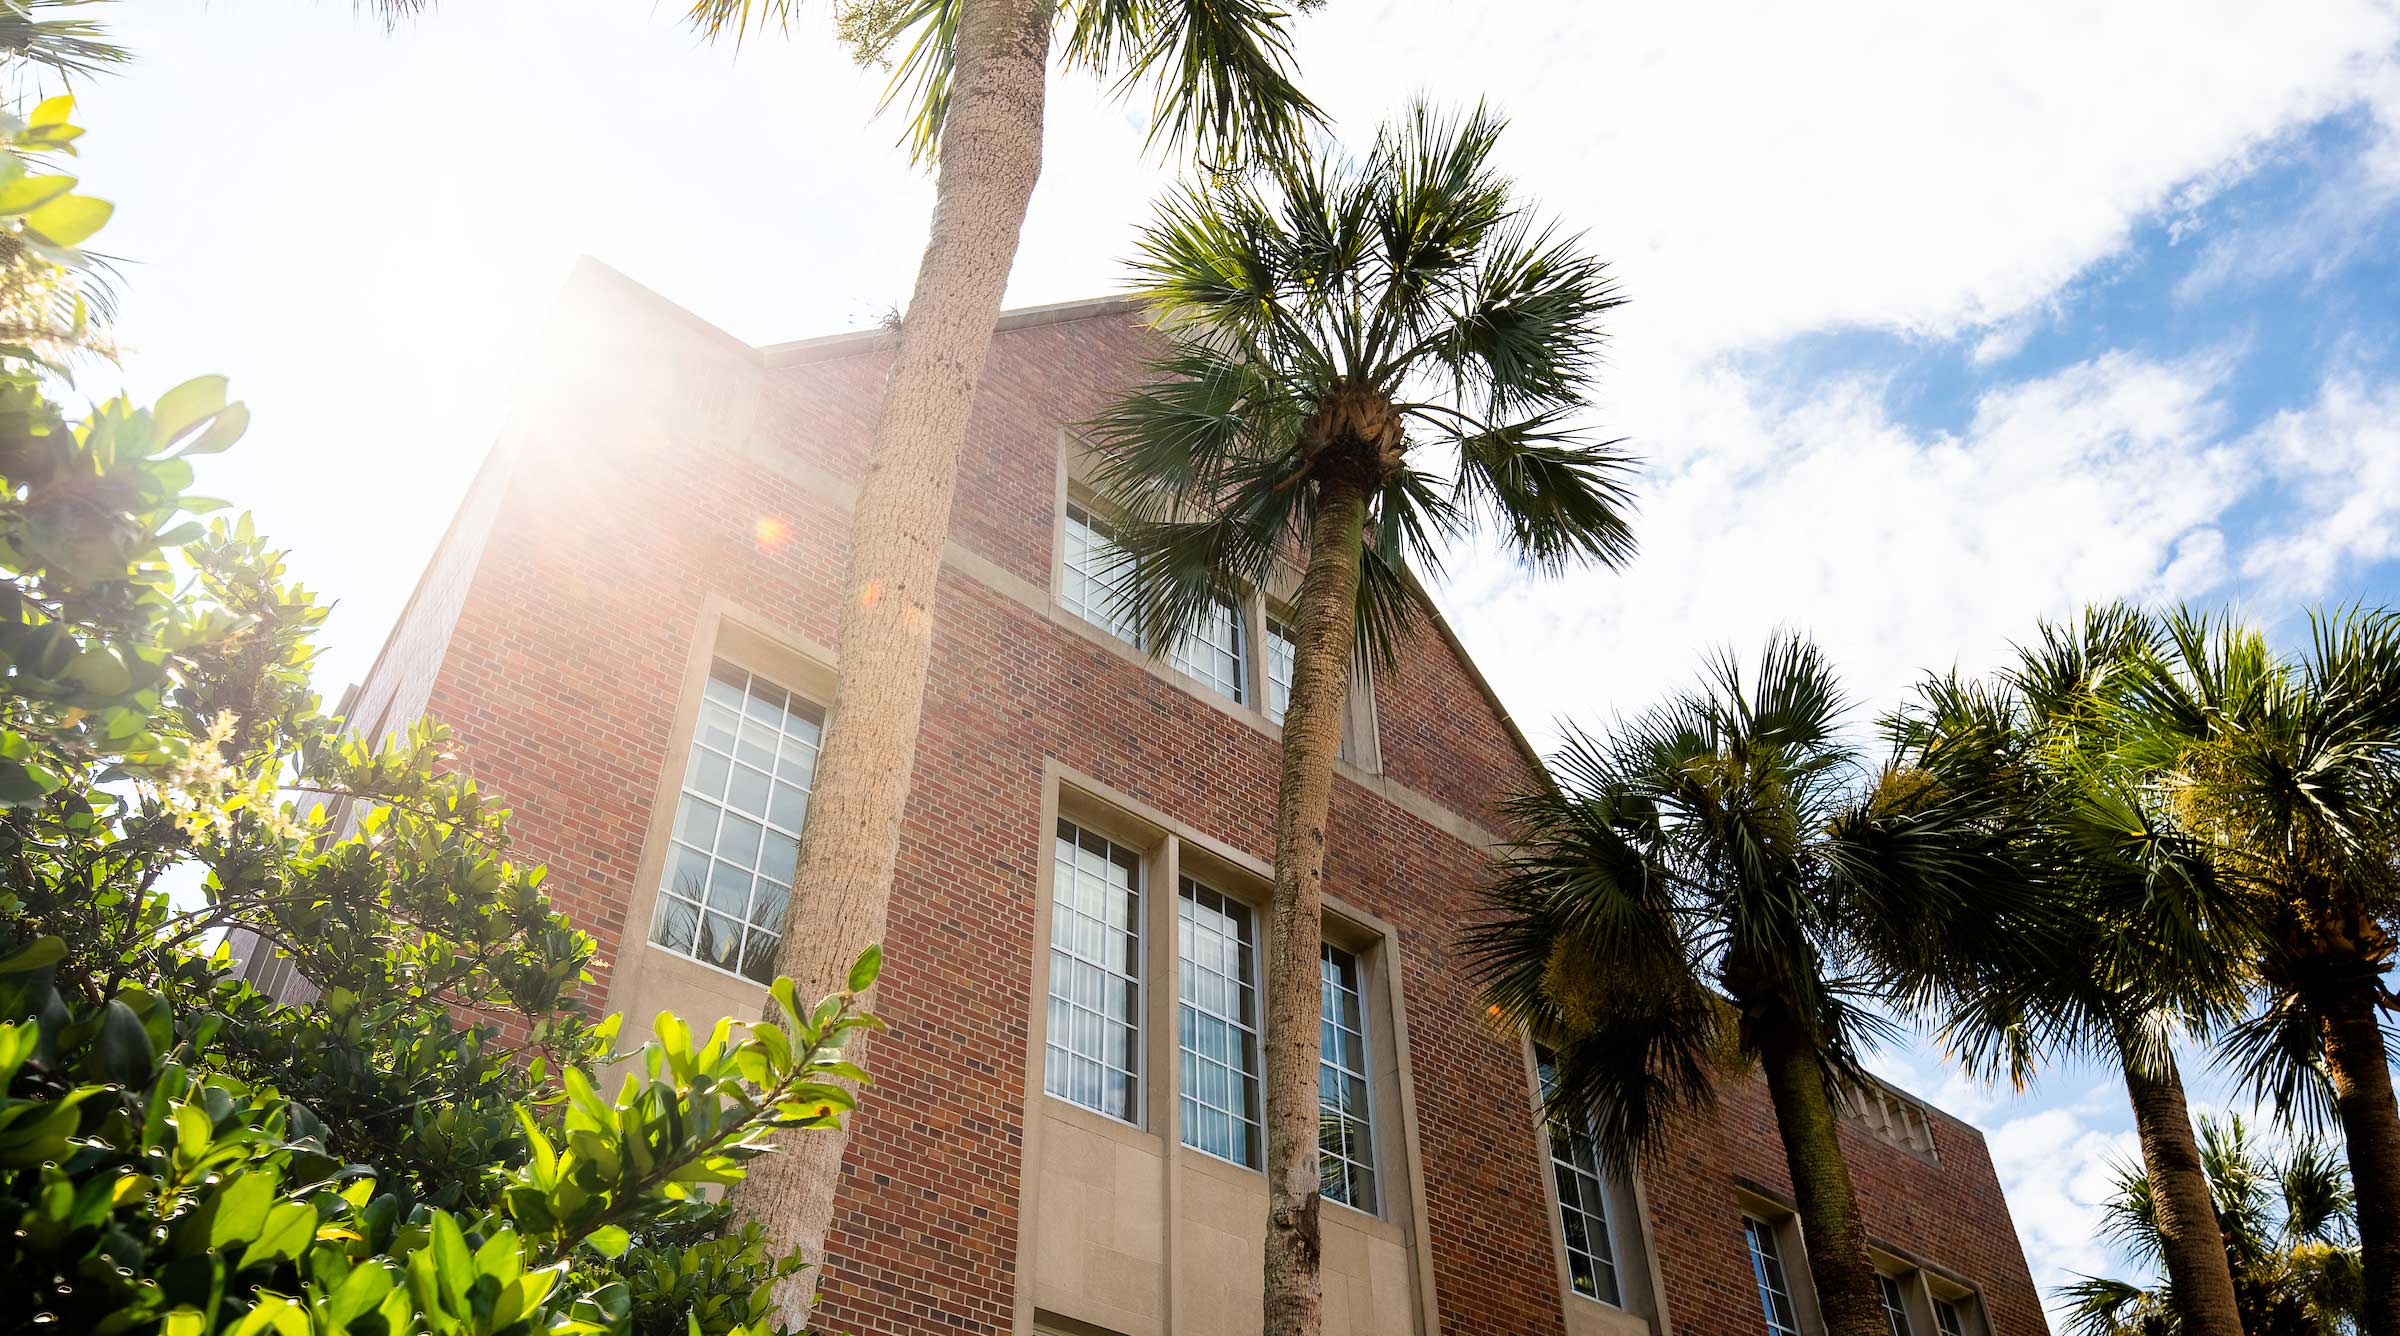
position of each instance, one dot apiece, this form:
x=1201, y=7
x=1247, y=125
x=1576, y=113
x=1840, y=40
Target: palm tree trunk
x=990, y=157
x=1830, y=1224
x=1312, y=737
x=2362, y=1097
x=2199, y=1278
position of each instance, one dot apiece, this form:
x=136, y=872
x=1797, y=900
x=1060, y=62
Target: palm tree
x=2288, y=1224
x=972, y=78
x=2288, y=771
x=1364, y=359
x=1725, y=879
x=2161, y=957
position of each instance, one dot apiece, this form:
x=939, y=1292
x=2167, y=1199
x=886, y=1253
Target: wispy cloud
x=2352, y=204
x=1901, y=550
x=2338, y=462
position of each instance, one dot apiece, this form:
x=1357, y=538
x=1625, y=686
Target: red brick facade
x=626, y=502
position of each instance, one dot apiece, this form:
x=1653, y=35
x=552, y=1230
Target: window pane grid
x=1582, y=1199
x=1895, y=1309
x=1345, y=1140
x=1093, y=1057
x=1279, y=668
x=737, y=828
x=1212, y=651
x=1945, y=1316
x=1219, y=1024
x=1766, y=1267
x=1094, y=581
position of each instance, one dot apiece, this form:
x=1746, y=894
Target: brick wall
x=621, y=516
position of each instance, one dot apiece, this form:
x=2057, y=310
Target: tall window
x=1280, y=648
x=1219, y=1024
x=1582, y=1198
x=1094, y=582
x=1766, y=1266
x=1280, y=651
x=1093, y=1051
x=1212, y=651
x=1345, y=1137
x=1895, y=1308
x=1947, y=1317
x=737, y=823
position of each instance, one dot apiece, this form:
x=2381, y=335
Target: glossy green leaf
x=69, y=219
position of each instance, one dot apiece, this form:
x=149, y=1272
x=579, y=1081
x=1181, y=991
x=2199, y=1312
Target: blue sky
x=1944, y=318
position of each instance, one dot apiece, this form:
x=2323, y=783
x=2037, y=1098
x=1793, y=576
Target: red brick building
x=631, y=626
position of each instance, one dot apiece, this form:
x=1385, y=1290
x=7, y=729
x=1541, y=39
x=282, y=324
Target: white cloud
x=2350, y=209
x=1760, y=170
x=2057, y=1166
x=2339, y=458
x=1900, y=551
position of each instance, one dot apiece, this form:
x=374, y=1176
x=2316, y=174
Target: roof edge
x=851, y=343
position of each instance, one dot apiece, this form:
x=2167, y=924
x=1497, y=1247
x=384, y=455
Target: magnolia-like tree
x=180, y=1154
x=2162, y=955
x=1722, y=882
x=1365, y=358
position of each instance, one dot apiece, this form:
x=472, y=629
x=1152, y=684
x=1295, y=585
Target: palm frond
x=67, y=46
x=1557, y=501
x=1587, y=947
x=2097, y=1306
x=1220, y=71
x=2318, y=1203
x=1522, y=328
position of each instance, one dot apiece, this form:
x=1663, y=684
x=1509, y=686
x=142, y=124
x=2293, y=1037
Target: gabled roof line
x=851, y=343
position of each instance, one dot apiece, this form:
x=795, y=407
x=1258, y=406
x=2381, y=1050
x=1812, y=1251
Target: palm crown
x=1220, y=71
x=2286, y=771
x=2047, y=737
x=1399, y=330
x=1728, y=845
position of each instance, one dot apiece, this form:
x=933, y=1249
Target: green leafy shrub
x=439, y=1140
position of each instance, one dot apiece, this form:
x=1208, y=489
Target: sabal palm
x=971, y=78
x=1364, y=358
x=2288, y=1225
x=2160, y=950
x=1726, y=878
x=2288, y=770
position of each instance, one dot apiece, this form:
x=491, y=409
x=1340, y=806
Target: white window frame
x=1608, y=1280
x=1060, y=1075
x=1895, y=1305
x=694, y=792
x=1189, y=648
x=1084, y=520
x=1079, y=581
x=1368, y=1170
x=1247, y=1076
x=1766, y=1255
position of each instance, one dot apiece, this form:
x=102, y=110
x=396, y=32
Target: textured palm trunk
x=2198, y=1275
x=1312, y=737
x=2362, y=1097
x=991, y=155
x=1829, y=1220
